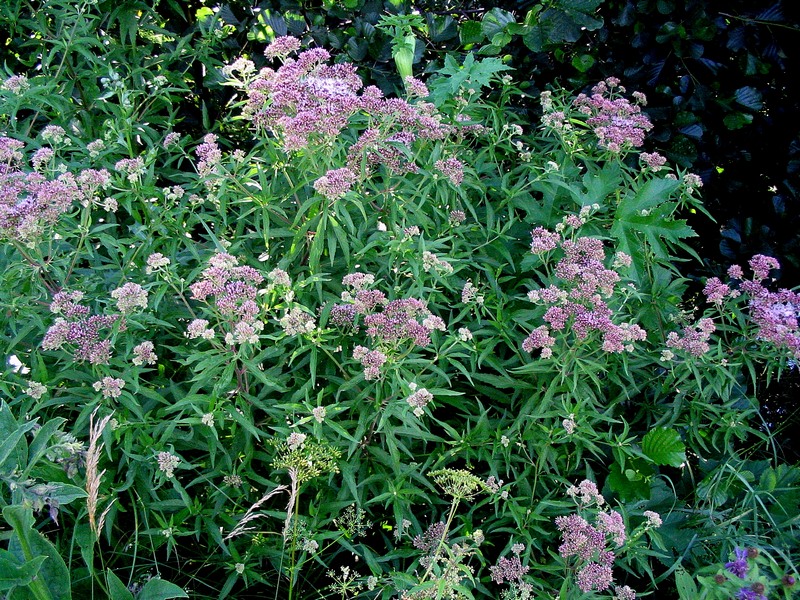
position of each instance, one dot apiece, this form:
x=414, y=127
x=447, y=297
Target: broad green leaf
x=633, y=483
x=117, y=590
x=158, y=589
x=664, y=447
x=14, y=573
x=28, y=544
x=687, y=588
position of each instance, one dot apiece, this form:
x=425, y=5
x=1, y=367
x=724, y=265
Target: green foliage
x=327, y=324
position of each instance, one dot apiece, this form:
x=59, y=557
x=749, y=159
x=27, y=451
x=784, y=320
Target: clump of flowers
x=394, y=326
x=31, y=202
x=233, y=289
x=335, y=183
x=144, y=354
x=591, y=546
x=577, y=303
x=167, y=463
x=79, y=329
x=618, y=124
x=307, y=102
x=694, y=340
x=418, y=400
x=511, y=570
x=130, y=297
x=751, y=574
x=110, y=387
x=16, y=84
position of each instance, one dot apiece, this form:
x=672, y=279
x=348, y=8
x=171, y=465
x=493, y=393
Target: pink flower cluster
x=209, y=154
x=694, y=339
x=390, y=323
x=578, y=301
x=79, y=329
x=452, y=168
x=589, y=543
x=776, y=314
x=617, y=123
x=335, y=183
x=29, y=201
x=233, y=288
x=509, y=569
x=429, y=541
x=307, y=102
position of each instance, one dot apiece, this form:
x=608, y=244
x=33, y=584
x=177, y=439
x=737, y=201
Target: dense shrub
x=295, y=335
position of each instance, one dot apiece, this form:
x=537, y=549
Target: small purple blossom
x=616, y=122
x=694, y=339
x=508, y=569
x=762, y=265
x=419, y=400
x=715, y=291
x=282, y=47
x=748, y=593
x=110, y=387
x=738, y=566
x=594, y=576
x=653, y=160
x=543, y=240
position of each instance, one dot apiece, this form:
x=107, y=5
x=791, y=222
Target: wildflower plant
x=350, y=342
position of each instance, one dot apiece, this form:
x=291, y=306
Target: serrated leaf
x=471, y=32
x=664, y=447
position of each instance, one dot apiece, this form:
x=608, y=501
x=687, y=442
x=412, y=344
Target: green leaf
x=13, y=573
x=27, y=544
x=664, y=447
x=11, y=440
x=117, y=590
x=471, y=32
x=632, y=484
x=737, y=120
x=158, y=589
x=687, y=589
x=496, y=21
x=583, y=62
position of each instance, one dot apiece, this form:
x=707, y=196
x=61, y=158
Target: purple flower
x=738, y=566
x=335, y=183
x=594, y=576
x=749, y=594
x=762, y=265
x=617, y=123
x=452, y=168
